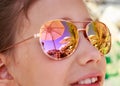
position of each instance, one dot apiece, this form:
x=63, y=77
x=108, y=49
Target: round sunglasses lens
x=58, y=39
x=99, y=36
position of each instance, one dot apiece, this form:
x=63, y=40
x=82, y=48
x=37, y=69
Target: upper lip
x=99, y=75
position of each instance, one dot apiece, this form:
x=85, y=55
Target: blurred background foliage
x=108, y=11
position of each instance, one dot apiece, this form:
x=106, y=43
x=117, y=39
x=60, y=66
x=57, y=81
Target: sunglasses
x=59, y=38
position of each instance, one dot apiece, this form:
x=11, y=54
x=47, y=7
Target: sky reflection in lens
x=64, y=44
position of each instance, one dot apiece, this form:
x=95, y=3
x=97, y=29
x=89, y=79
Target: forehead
x=45, y=10
x=59, y=8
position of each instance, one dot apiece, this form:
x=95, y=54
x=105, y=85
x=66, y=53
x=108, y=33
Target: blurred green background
x=108, y=11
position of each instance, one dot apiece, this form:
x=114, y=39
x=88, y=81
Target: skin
x=29, y=66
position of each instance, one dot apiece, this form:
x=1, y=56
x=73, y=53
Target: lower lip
x=95, y=84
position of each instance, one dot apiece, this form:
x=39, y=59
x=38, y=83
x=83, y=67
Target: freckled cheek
x=49, y=74
x=36, y=68
x=46, y=69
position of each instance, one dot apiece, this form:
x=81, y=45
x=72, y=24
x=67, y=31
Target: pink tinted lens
x=58, y=39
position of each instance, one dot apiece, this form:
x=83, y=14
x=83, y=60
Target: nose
x=86, y=52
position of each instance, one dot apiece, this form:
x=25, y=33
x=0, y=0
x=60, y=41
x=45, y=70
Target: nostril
x=89, y=61
x=89, y=57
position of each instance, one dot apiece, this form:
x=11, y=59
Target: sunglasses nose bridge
x=80, y=30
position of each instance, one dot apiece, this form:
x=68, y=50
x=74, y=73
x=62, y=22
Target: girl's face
x=31, y=67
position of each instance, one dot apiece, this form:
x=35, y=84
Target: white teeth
x=88, y=81
x=94, y=79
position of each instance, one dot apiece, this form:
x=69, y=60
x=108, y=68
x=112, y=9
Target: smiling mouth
x=93, y=81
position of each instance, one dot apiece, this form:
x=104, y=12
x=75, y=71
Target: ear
x=5, y=78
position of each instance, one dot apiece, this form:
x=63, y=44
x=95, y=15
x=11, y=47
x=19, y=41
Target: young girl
x=31, y=35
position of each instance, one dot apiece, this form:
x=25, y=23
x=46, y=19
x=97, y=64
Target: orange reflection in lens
x=100, y=37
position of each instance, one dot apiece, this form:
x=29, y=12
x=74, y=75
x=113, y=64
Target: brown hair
x=10, y=13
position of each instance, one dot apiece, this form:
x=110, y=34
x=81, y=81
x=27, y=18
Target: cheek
x=102, y=65
x=34, y=67
x=49, y=72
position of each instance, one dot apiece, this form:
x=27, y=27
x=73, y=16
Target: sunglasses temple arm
x=16, y=44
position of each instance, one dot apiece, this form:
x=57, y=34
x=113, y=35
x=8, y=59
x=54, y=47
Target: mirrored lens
x=58, y=39
x=99, y=36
